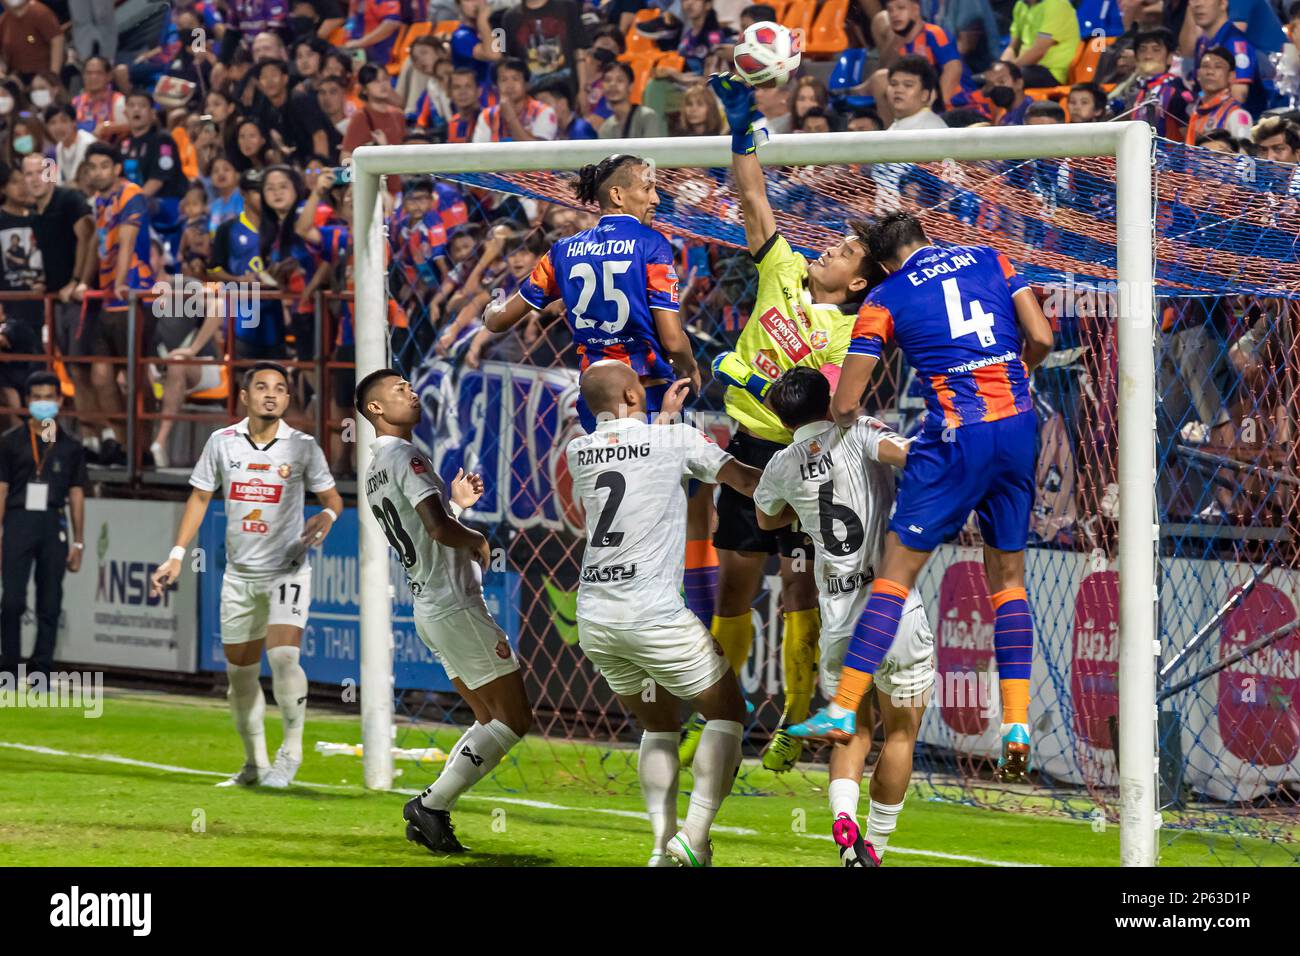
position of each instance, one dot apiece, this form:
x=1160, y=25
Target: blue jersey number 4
x=979, y=323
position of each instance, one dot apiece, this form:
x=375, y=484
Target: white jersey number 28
x=980, y=322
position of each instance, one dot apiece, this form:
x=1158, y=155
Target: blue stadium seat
x=848, y=73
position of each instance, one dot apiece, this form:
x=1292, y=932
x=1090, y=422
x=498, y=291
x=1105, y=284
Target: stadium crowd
x=209, y=140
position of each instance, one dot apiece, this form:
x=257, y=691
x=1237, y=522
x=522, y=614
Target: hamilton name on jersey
x=602, y=249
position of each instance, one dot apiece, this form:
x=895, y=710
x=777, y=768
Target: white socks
x=881, y=821
x=657, y=766
x=475, y=756
x=289, y=683
x=247, y=706
x=844, y=794
x=716, y=760
x=455, y=748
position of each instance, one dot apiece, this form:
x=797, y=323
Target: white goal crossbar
x=1130, y=143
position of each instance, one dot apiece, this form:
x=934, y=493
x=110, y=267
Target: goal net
x=1161, y=562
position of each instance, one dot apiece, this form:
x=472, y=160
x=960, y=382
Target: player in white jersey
x=633, y=623
x=263, y=467
x=839, y=485
x=444, y=563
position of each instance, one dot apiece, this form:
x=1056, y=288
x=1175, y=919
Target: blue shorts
x=654, y=400
x=988, y=468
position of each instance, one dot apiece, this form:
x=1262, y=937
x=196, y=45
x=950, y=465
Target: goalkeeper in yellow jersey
x=803, y=316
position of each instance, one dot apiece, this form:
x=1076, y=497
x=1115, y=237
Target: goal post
x=1130, y=144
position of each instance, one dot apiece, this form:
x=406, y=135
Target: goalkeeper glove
x=748, y=127
x=730, y=369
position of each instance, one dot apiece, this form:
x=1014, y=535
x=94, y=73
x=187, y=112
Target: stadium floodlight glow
x=1130, y=143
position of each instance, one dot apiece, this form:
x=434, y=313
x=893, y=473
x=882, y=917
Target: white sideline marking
x=518, y=801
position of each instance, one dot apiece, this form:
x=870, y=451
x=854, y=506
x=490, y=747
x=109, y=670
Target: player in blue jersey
x=973, y=331
x=617, y=281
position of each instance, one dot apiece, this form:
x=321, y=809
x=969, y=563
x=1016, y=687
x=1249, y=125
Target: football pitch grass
x=134, y=787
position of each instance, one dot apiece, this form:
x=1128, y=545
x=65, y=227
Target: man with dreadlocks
x=617, y=282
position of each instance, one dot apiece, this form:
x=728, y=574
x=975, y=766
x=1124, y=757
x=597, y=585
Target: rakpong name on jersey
x=598, y=456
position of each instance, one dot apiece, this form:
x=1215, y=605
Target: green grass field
x=135, y=788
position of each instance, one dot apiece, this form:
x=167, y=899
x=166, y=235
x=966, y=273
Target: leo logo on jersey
x=256, y=491
x=254, y=524
x=765, y=362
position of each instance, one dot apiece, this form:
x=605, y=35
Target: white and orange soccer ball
x=768, y=52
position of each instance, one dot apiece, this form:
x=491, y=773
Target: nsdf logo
x=127, y=583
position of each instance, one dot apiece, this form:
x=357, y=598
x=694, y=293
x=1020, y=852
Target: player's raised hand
x=165, y=575
x=466, y=489
x=674, y=401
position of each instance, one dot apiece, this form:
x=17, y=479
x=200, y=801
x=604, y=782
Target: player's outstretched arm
x=1036, y=328
x=449, y=532
x=501, y=315
x=743, y=478
x=855, y=376
x=167, y=572
x=737, y=98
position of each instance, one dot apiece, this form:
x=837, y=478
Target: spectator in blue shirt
x=472, y=43
x=1100, y=18
x=1211, y=17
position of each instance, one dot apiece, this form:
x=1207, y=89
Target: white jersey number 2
x=980, y=322
x=584, y=273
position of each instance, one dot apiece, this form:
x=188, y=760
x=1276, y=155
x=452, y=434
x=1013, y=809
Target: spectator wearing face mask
x=45, y=90
x=1004, y=87
x=11, y=105
x=31, y=40
x=29, y=138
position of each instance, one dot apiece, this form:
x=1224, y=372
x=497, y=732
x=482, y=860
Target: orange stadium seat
x=217, y=393
x=799, y=16
x=1082, y=70
x=827, y=38
x=446, y=28
x=397, y=56
x=402, y=50
x=779, y=8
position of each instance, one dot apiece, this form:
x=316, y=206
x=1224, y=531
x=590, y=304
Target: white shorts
x=908, y=669
x=470, y=646
x=680, y=656
x=249, y=607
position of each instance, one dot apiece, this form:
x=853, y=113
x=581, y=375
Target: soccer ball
x=767, y=52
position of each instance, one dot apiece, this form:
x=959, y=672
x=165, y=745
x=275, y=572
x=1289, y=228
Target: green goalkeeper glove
x=730, y=369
